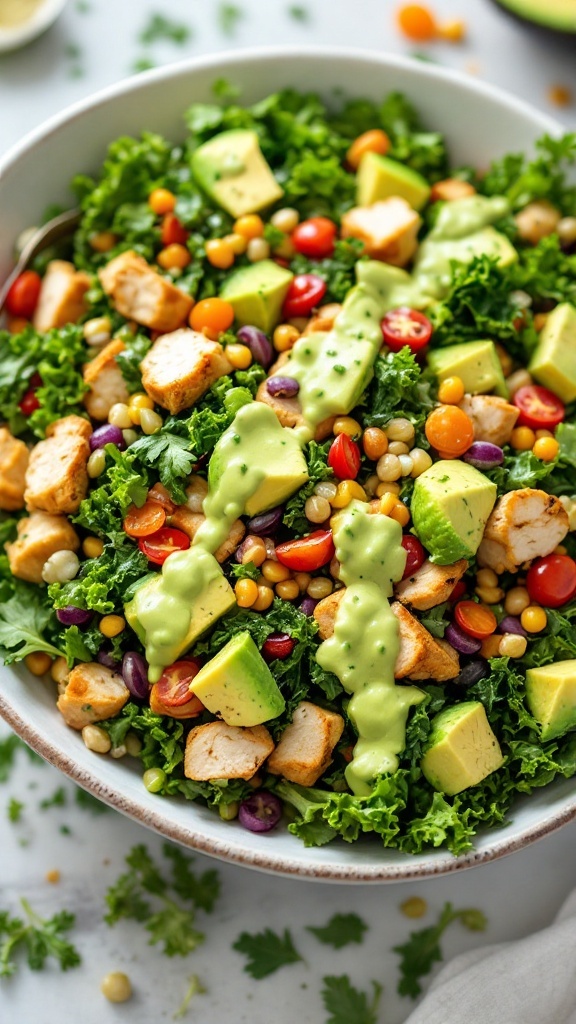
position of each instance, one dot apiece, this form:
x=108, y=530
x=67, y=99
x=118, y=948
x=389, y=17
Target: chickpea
x=536, y=221
x=319, y=587
x=400, y=429
x=317, y=509
x=375, y=443
x=116, y=987
x=388, y=468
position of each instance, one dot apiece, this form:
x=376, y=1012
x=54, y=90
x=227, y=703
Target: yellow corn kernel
x=140, y=400
x=92, y=547
x=546, y=448
x=161, y=201
x=288, y=590
x=246, y=593
x=451, y=391
x=522, y=439
x=264, y=599
x=174, y=256
x=239, y=355
x=400, y=513
x=452, y=31
x=38, y=663
x=387, y=488
x=111, y=625
x=237, y=243
x=534, y=619
x=250, y=226
x=284, y=337
x=387, y=503
x=346, y=491
x=275, y=572
x=150, y=421
x=347, y=425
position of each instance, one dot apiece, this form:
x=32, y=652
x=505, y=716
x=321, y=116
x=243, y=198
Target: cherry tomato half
x=23, y=294
x=416, y=556
x=141, y=522
x=305, y=292
x=344, y=457
x=191, y=709
x=306, y=553
x=315, y=237
x=449, y=430
x=551, y=581
x=172, y=231
x=539, y=407
x=475, y=619
x=405, y=326
x=29, y=402
x=173, y=687
x=160, y=545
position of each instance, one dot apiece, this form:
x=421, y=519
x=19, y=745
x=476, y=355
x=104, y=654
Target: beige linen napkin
x=531, y=981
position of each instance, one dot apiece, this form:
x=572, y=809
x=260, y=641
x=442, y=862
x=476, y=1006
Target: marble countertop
x=94, y=43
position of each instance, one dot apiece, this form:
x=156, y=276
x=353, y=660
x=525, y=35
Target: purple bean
x=108, y=434
x=135, y=674
x=308, y=605
x=484, y=455
x=105, y=658
x=473, y=672
x=461, y=641
x=260, y=812
x=266, y=523
x=258, y=344
x=282, y=387
x=510, y=624
x=72, y=616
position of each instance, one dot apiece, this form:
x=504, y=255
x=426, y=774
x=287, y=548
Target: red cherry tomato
x=173, y=687
x=416, y=556
x=160, y=545
x=306, y=553
x=23, y=294
x=405, y=326
x=344, y=457
x=539, y=407
x=551, y=581
x=278, y=645
x=29, y=402
x=315, y=237
x=305, y=292
x=475, y=619
x=172, y=231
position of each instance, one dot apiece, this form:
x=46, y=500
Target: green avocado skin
x=545, y=16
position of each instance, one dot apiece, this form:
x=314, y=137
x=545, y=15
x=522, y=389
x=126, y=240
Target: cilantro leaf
x=160, y=29
x=170, y=455
x=341, y=930
x=266, y=952
x=346, y=1004
x=422, y=950
x=14, y=810
x=23, y=621
x=39, y=938
x=202, y=889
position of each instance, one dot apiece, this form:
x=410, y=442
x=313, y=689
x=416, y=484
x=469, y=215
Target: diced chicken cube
x=494, y=418
x=62, y=296
x=389, y=229
x=139, y=293
x=220, y=751
x=92, y=694
x=13, y=465
x=323, y=319
x=523, y=525
x=420, y=655
x=430, y=584
x=39, y=536
x=190, y=523
x=56, y=478
x=305, y=748
x=105, y=380
x=288, y=410
x=180, y=367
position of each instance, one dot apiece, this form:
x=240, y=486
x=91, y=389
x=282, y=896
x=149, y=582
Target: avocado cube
x=551, y=696
x=379, y=177
x=451, y=503
x=231, y=169
x=257, y=293
x=462, y=750
x=238, y=685
x=217, y=599
x=475, y=362
x=272, y=451
x=554, y=361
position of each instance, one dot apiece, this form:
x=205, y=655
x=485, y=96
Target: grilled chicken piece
x=523, y=525
x=220, y=751
x=305, y=748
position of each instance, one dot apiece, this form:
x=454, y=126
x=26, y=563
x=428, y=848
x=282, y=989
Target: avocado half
x=557, y=16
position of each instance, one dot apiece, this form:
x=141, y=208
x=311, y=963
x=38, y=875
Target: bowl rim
x=263, y=860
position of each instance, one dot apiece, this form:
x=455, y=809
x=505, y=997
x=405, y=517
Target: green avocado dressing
x=363, y=649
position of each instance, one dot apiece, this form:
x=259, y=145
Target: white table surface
x=83, y=52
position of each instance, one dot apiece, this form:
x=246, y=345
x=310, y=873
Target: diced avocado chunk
x=379, y=177
x=462, y=750
x=475, y=362
x=257, y=293
x=551, y=697
x=231, y=169
x=553, y=363
x=217, y=599
x=238, y=685
x=451, y=503
x=271, y=450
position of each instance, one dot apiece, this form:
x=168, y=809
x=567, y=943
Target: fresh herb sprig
x=266, y=951
x=39, y=938
x=422, y=950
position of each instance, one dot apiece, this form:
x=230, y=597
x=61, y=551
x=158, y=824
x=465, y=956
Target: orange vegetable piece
x=141, y=522
x=214, y=314
x=449, y=430
x=475, y=619
x=373, y=141
x=417, y=23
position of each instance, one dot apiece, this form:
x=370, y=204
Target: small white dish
x=41, y=16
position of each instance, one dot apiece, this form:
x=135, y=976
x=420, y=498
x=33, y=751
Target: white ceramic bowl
x=480, y=123
x=41, y=18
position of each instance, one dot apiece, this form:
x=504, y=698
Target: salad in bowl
x=288, y=471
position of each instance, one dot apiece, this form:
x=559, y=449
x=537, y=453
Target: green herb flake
x=161, y=29
x=299, y=13
x=266, y=952
x=346, y=1004
x=38, y=938
x=229, y=15
x=14, y=810
x=341, y=930
x=422, y=950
